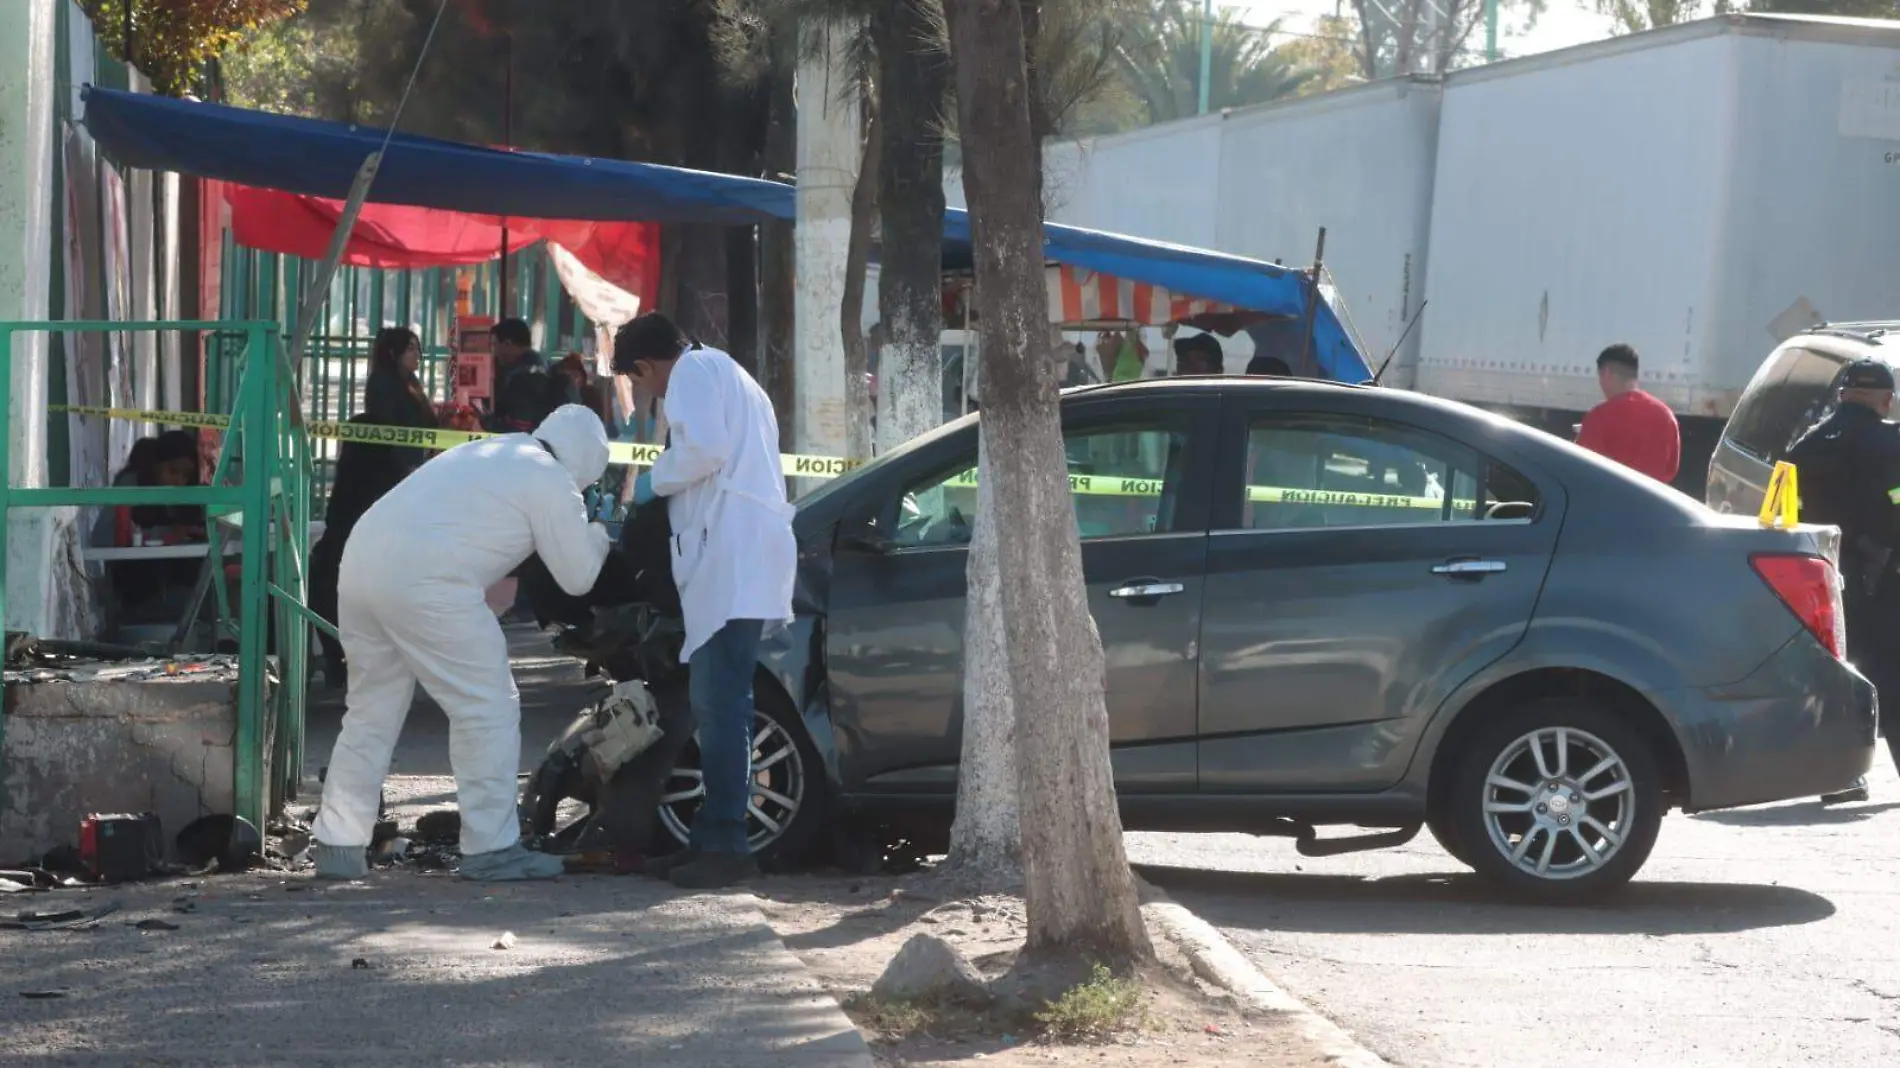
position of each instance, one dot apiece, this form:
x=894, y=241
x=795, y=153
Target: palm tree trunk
x=1079, y=892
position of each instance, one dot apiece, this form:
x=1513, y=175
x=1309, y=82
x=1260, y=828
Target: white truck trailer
x=1699, y=192
x=1261, y=181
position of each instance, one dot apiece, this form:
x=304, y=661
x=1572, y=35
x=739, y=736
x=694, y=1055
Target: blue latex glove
x=643, y=488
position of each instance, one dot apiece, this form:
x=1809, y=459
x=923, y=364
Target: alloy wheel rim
x=1559, y=803
x=778, y=787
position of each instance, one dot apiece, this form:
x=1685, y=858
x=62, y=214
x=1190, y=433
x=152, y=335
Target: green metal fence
x=262, y=488
x=362, y=301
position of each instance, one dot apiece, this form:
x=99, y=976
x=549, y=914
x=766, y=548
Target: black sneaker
x=661, y=867
x=1857, y=792
x=715, y=871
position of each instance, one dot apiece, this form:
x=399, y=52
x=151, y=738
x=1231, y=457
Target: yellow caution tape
x=793, y=464
x=629, y=454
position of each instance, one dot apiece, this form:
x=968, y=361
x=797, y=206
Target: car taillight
x=1811, y=589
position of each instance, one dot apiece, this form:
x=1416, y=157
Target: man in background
x=1199, y=354
x=1630, y=426
x=525, y=390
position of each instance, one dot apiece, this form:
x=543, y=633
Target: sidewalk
x=262, y=970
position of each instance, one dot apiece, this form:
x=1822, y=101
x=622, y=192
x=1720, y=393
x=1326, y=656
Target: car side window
x=1124, y=479
x=1312, y=471
x=1787, y=397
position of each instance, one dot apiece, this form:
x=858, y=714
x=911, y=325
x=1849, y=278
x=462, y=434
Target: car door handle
x=1469, y=567
x=1143, y=590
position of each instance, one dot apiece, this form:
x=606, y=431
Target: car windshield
x=812, y=490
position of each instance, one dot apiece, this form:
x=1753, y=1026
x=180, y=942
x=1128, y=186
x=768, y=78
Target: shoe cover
x=514, y=864
x=340, y=862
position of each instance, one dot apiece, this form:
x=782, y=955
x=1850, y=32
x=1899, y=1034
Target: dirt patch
x=847, y=929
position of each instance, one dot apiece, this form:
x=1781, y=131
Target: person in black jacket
x=394, y=395
x=365, y=471
x=1849, y=467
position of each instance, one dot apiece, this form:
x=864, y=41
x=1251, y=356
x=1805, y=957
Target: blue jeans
x=720, y=689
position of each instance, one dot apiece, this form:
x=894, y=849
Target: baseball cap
x=1867, y=374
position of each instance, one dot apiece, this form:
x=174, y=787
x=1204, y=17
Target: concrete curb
x=1215, y=959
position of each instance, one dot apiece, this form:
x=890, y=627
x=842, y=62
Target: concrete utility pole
x=43, y=594
x=827, y=169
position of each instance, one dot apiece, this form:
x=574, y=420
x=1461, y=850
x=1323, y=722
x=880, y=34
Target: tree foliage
x=1635, y=16
x=1159, y=58
x=173, y=39
x=1401, y=37
x=1328, y=54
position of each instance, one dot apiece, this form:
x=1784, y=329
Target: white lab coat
x=734, y=556
x=411, y=608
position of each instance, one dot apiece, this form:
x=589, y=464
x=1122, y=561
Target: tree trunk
x=986, y=838
x=913, y=77
x=857, y=394
x=1079, y=892
x=776, y=252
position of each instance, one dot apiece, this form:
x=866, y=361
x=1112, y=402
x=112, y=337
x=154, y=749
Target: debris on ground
x=506, y=941
x=359, y=964
x=442, y=825
x=230, y=843
x=60, y=919
x=156, y=925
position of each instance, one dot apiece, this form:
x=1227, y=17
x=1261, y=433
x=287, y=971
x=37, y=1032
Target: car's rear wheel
x=1559, y=801
x=788, y=791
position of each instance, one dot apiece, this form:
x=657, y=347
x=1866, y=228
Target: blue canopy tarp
x=1252, y=284
x=319, y=158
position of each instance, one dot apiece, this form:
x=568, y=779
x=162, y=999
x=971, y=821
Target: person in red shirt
x=1630, y=426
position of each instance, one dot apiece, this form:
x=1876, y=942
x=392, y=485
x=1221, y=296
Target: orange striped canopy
x=1079, y=298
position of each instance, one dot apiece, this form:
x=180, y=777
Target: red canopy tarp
x=399, y=236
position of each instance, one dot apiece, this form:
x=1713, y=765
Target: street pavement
x=1762, y=937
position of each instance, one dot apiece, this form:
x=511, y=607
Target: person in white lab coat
x=734, y=558
x=411, y=608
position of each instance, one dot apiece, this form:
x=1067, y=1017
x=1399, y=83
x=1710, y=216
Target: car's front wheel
x=787, y=803
x=1559, y=801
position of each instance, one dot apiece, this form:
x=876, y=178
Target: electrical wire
x=414, y=71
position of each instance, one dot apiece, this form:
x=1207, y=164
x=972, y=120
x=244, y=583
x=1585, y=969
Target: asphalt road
x=1763, y=937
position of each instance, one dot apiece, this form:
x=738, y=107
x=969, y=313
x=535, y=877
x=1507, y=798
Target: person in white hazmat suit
x=734, y=559
x=411, y=609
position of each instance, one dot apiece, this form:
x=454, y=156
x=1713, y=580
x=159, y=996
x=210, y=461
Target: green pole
x=1207, y=50
x=1490, y=31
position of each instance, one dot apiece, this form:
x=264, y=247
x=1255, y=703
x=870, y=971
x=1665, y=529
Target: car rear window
x=1790, y=395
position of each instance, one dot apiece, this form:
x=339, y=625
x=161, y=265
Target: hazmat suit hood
x=579, y=441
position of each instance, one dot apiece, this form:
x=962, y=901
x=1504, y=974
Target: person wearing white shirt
x=734, y=559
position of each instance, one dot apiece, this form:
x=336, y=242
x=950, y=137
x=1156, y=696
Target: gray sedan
x=1330, y=606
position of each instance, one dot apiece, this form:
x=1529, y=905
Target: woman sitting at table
x=170, y=459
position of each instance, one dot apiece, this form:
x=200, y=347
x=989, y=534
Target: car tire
x=785, y=756
x=1438, y=821
x=1582, y=813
